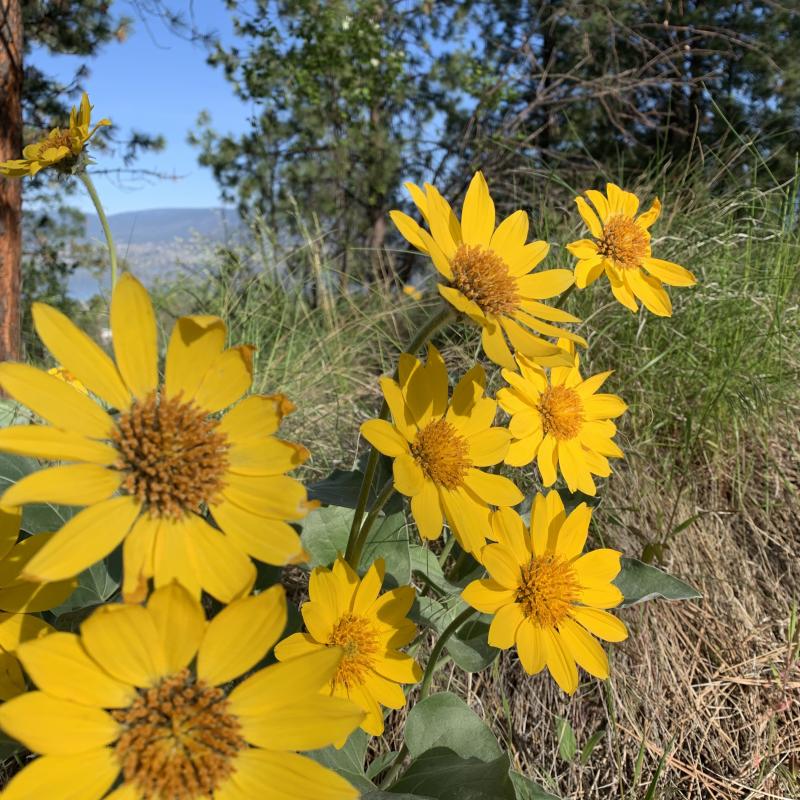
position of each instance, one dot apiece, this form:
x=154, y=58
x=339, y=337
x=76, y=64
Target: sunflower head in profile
x=348, y=612
x=488, y=272
x=562, y=421
x=546, y=597
x=61, y=148
x=149, y=459
x=620, y=247
x=438, y=444
x=150, y=703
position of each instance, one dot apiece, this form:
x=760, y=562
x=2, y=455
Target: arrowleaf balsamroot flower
x=621, y=248
x=488, y=272
x=562, y=422
x=18, y=596
x=349, y=612
x=438, y=446
x=547, y=598
x=148, y=472
x=60, y=148
x=143, y=698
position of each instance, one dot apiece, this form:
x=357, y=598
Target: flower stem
x=425, y=688
x=112, y=251
x=565, y=295
x=446, y=550
x=361, y=539
x=425, y=333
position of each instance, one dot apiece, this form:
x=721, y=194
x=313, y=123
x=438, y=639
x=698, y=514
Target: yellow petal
x=401, y=416
x=72, y=485
x=467, y=516
x=462, y=304
x=584, y=648
x=126, y=643
x=522, y=261
x=560, y=663
x=18, y=628
x=180, y=622
x=274, y=496
x=546, y=460
x=269, y=540
x=409, y=230
x=600, y=203
x=88, y=777
x=543, y=285
x=369, y=587
x=590, y=218
x=60, y=666
x=588, y=271
x=511, y=233
x=223, y=570
x=503, y=629
x=583, y=248
x=195, y=344
x=55, y=401
x=573, y=532
x=86, y=538
x=172, y=559
x=400, y=668
x=298, y=644
x=426, y=508
x=240, y=636
x=534, y=347
x=666, y=271
x=597, y=567
x=227, y=379
x=477, y=213
x=254, y=417
x=602, y=624
x=133, y=329
x=647, y=218
x=650, y=292
x=41, y=441
x=493, y=489
x=502, y=565
x=488, y=447
x=522, y=451
x=531, y=647
x=284, y=776
x=265, y=456
x=509, y=529
x=468, y=391
x=487, y=595
x=601, y=595
x=56, y=727
x=408, y=475
x=495, y=347
x=138, y=551
x=384, y=437
x=441, y=222
x=76, y=352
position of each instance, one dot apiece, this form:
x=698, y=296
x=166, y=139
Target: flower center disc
x=483, y=277
x=624, y=242
x=562, y=412
x=172, y=454
x=178, y=740
x=548, y=589
x=442, y=453
x=359, y=640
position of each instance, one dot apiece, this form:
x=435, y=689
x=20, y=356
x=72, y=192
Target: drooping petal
x=584, y=648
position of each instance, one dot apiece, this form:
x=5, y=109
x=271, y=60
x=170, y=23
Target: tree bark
x=10, y=188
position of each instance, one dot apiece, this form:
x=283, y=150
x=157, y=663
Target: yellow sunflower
x=545, y=596
x=561, y=422
x=147, y=472
x=437, y=447
x=488, y=272
x=60, y=147
x=142, y=706
x=20, y=598
x=621, y=247
x=349, y=612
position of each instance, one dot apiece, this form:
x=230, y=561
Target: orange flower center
x=442, y=453
x=359, y=640
x=178, y=740
x=173, y=457
x=624, y=242
x=548, y=589
x=561, y=410
x=483, y=277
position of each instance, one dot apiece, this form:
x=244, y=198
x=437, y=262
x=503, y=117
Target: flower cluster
x=172, y=467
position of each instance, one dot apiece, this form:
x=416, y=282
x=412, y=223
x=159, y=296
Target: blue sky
x=158, y=83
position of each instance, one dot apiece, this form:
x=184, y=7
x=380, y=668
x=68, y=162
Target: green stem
x=563, y=299
x=425, y=333
x=425, y=688
x=112, y=251
x=446, y=550
x=452, y=576
x=361, y=539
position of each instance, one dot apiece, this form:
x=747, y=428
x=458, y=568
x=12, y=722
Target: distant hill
x=158, y=242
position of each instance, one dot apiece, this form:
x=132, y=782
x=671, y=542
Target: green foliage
x=639, y=582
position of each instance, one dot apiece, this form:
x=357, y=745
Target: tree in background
x=351, y=97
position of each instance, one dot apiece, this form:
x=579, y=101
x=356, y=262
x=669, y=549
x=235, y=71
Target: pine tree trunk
x=10, y=189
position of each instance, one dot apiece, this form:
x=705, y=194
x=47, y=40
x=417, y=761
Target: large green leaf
x=442, y=774
x=446, y=720
x=639, y=582
x=325, y=534
x=347, y=761
x=96, y=585
x=526, y=789
x=341, y=488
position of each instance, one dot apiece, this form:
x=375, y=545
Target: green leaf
x=446, y=720
x=348, y=761
x=425, y=564
x=567, y=743
x=639, y=582
x=526, y=789
x=341, y=488
x=442, y=774
x=382, y=762
x=95, y=586
x=590, y=745
x=325, y=534
x=470, y=647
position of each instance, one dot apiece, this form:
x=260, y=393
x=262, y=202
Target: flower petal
x=384, y=437
x=573, y=532
x=77, y=353
x=196, y=342
x=493, y=489
x=180, y=622
x=489, y=446
x=666, y=271
x=602, y=624
x=426, y=508
x=487, y=595
x=240, y=636
x=408, y=475
x=504, y=625
x=502, y=565
x=55, y=401
x=584, y=648
x=590, y=218
x=559, y=661
x=531, y=647
x=254, y=417
x=133, y=331
x=409, y=229
x=227, y=379
x=543, y=285
x=477, y=213
x=42, y=441
x=72, y=485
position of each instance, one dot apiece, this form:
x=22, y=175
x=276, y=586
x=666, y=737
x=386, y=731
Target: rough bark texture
x=10, y=189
